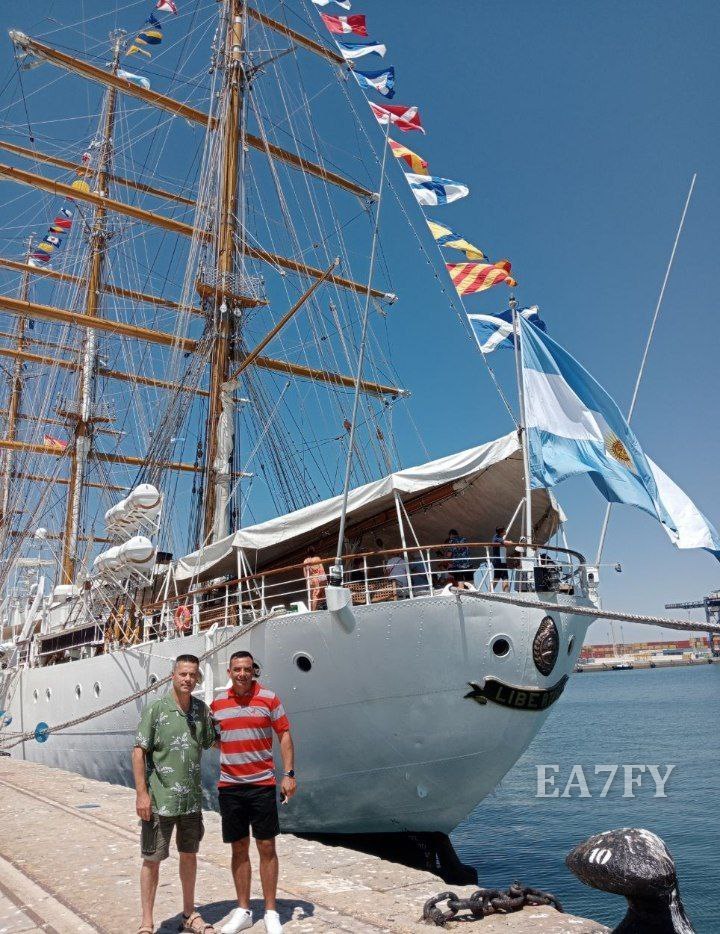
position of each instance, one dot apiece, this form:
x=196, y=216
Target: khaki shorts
x=155, y=835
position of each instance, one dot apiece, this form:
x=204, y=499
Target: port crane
x=711, y=603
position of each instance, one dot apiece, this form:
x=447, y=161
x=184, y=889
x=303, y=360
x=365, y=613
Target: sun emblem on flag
x=617, y=450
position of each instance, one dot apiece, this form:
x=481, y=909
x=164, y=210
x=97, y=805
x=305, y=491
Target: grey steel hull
x=386, y=738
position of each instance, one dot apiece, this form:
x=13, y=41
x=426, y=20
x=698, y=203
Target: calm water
x=652, y=717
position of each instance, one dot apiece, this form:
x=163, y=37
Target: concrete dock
x=69, y=862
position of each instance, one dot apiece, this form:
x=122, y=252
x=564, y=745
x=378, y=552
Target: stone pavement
x=69, y=862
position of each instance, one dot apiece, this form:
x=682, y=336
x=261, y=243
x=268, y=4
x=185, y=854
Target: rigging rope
x=30, y=734
x=662, y=621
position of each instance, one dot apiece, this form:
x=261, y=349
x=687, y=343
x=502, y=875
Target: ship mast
x=82, y=414
x=15, y=398
x=219, y=438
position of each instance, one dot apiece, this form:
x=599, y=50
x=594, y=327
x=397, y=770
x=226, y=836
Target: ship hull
x=386, y=737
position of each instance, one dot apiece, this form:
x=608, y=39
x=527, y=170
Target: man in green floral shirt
x=170, y=739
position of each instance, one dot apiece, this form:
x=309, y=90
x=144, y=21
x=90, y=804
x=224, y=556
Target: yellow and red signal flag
x=416, y=162
x=476, y=277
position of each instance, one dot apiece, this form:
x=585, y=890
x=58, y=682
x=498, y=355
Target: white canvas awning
x=472, y=491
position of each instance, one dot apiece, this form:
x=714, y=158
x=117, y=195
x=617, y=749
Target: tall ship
x=200, y=410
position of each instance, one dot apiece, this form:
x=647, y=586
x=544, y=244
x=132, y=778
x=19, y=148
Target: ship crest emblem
x=546, y=646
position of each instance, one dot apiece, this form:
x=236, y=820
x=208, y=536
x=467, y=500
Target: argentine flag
x=495, y=332
x=573, y=426
x=431, y=191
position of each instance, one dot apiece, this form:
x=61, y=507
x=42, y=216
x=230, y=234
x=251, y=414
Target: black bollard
x=637, y=864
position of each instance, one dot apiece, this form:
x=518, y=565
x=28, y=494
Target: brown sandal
x=145, y=929
x=195, y=925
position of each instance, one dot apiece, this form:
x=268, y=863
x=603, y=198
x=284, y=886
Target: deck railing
x=409, y=573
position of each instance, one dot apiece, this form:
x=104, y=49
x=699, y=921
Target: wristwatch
x=290, y=774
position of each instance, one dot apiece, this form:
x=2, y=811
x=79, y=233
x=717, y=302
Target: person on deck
x=397, y=570
x=460, y=567
x=171, y=736
x=316, y=577
x=500, y=571
x=245, y=719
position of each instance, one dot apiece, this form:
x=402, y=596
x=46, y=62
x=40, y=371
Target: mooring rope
x=31, y=734
x=589, y=611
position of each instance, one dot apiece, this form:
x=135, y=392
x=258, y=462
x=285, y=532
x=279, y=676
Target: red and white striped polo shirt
x=244, y=725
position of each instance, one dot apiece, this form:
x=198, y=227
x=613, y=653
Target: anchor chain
x=484, y=902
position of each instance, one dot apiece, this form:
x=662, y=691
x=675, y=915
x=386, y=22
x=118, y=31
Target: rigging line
x=361, y=358
x=266, y=428
x=338, y=229
x=340, y=73
x=646, y=351
x=62, y=27
x=22, y=94
x=312, y=201
x=463, y=317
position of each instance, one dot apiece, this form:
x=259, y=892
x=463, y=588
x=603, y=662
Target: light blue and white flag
x=431, y=191
x=345, y=4
x=573, y=426
x=495, y=332
x=134, y=79
x=351, y=50
x=381, y=81
x=692, y=529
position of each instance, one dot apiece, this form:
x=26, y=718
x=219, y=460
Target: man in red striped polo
x=245, y=719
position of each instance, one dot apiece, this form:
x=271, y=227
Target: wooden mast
x=83, y=414
x=15, y=398
x=221, y=415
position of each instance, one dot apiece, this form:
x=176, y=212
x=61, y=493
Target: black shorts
x=249, y=806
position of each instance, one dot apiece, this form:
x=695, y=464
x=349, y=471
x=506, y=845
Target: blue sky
x=577, y=127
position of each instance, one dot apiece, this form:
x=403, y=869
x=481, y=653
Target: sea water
x=642, y=717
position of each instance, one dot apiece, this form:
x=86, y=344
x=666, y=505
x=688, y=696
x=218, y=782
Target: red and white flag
x=166, y=6
x=404, y=118
x=56, y=443
x=345, y=24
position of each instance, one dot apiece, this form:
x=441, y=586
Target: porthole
x=96, y=689
x=48, y=693
x=78, y=692
x=501, y=647
x=304, y=662
x=36, y=695
x=571, y=644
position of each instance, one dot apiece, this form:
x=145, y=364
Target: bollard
x=637, y=864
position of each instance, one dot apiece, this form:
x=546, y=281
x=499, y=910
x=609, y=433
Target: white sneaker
x=240, y=920
x=272, y=922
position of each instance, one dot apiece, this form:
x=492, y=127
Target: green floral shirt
x=174, y=742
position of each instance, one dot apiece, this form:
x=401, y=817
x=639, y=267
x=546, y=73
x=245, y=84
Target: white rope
x=608, y=508
x=590, y=611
